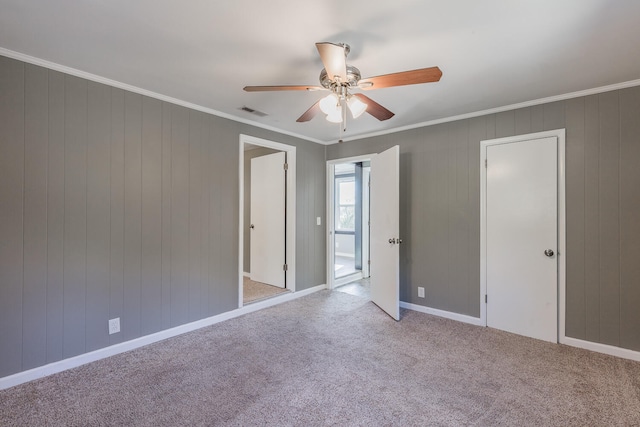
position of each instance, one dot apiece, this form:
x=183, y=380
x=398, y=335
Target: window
x=346, y=203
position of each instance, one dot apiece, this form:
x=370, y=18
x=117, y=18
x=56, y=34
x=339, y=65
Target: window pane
x=347, y=220
x=347, y=192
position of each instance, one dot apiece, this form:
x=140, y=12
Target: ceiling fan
x=340, y=78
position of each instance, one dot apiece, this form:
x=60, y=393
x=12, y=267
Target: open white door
x=385, y=229
x=268, y=219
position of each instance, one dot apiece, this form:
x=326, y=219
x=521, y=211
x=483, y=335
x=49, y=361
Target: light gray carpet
x=253, y=291
x=336, y=359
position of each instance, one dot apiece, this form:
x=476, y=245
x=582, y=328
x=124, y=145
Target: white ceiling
x=493, y=53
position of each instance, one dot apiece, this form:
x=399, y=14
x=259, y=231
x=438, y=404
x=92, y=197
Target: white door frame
x=366, y=237
x=330, y=209
x=560, y=135
x=290, y=274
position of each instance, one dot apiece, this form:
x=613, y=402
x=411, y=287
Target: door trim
x=329, y=222
x=560, y=135
x=290, y=242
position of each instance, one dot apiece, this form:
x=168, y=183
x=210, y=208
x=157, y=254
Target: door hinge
x=485, y=298
x=369, y=262
x=285, y=267
x=485, y=163
x=286, y=166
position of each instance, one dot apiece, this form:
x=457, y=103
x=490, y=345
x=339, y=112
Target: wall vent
x=253, y=111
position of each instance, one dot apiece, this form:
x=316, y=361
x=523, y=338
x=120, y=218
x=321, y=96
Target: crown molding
x=114, y=83
x=93, y=77
x=509, y=107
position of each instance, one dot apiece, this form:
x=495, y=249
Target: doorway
x=348, y=258
x=381, y=240
x=522, y=234
x=351, y=221
x=272, y=255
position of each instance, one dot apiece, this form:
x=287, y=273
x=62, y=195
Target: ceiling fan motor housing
x=353, y=77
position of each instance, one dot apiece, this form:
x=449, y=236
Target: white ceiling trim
x=134, y=89
x=532, y=103
x=98, y=79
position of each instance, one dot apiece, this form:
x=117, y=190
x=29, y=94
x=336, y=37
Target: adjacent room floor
x=344, y=266
x=361, y=288
x=253, y=291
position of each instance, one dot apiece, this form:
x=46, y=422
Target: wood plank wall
x=114, y=204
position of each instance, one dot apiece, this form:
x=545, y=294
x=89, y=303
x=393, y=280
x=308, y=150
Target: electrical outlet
x=318, y=221
x=420, y=292
x=114, y=325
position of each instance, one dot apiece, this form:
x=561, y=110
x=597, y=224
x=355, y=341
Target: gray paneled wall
x=440, y=209
x=113, y=204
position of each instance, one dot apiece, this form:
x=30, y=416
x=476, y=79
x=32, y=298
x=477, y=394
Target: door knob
x=252, y=226
x=548, y=252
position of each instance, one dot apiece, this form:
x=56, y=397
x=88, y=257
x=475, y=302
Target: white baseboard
x=602, y=348
x=573, y=342
x=73, y=362
x=245, y=274
x=441, y=313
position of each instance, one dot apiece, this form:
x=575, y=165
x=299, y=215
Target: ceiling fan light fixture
x=335, y=116
x=329, y=104
x=356, y=107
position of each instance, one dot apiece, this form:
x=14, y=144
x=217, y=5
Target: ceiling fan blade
x=310, y=113
x=334, y=60
x=423, y=75
x=375, y=109
x=277, y=88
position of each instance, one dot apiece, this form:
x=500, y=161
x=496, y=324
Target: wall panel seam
x=170, y=205
x=86, y=211
x=64, y=197
x=584, y=225
x=188, y=206
x=46, y=231
x=24, y=168
x=110, y=196
x=162, y=218
x=620, y=287
x=139, y=308
x=599, y=225
x=124, y=198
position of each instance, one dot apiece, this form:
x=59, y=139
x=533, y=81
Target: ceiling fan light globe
x=335, y=116
x=356, y=107
x=329, y=104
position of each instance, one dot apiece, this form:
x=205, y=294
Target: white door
x=268, y=219
x=385, y=229
x=522, y=237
